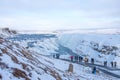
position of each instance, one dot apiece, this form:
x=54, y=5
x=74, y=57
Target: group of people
x=105, y=63
x=80, y=59
x=86, y=60
x=76, y=58
x=113, y=64
x=57, y=56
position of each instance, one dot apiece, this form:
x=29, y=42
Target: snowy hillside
x=41, y=43
x=102, y=47
x=99, y=46
x=20, y=64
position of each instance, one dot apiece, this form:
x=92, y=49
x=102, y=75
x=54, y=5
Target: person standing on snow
x=115, y=64
x=71, y=57
x=92, y=60
x=94, y=70
x=111, y=63
x=105, y=63
x=86, y=60
x=77, y=58
x=57, y=56
x=80, y=59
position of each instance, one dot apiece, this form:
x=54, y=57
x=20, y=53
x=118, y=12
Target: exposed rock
x=14, y=59
x=55, y=75
x=24, y=66
x=19, y=73
x=4, y=50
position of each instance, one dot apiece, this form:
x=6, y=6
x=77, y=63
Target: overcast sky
x=59, y=14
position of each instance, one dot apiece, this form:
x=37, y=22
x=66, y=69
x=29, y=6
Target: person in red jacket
x=71, y=57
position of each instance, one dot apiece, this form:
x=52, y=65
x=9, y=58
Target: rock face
x=18, y=73
x=7, y=30
x=70, y=69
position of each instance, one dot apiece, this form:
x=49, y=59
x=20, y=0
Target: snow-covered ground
x=20, y=64
x=101, y=47
x=30, y=56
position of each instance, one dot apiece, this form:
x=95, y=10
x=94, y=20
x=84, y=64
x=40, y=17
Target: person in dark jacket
x=57, y=56
x=76, y=58
x=80, y=59
x=94, y=70
x=111, y=63
x=92, y=60
x=115, y=64
x=105, y=63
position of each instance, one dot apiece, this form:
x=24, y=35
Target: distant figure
x=105, y=63
x=86, y=60
x=71, y=57
x=80, y=59
x=76, y=58
x=57, y=56
x=92, y=60
x=115, y=64
x=111, y=63
x=94, y=70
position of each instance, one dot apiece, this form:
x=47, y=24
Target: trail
x=104, y=69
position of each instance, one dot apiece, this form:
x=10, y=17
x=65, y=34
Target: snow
x=43, y=46
x=80, y=72
x=6, y=59
x=6, y=73
x=46, y=77
x=38, y=59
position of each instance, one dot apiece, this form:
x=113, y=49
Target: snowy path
x=99, y=67
x=106, y=70
x=106, y=67
x=109, y=73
